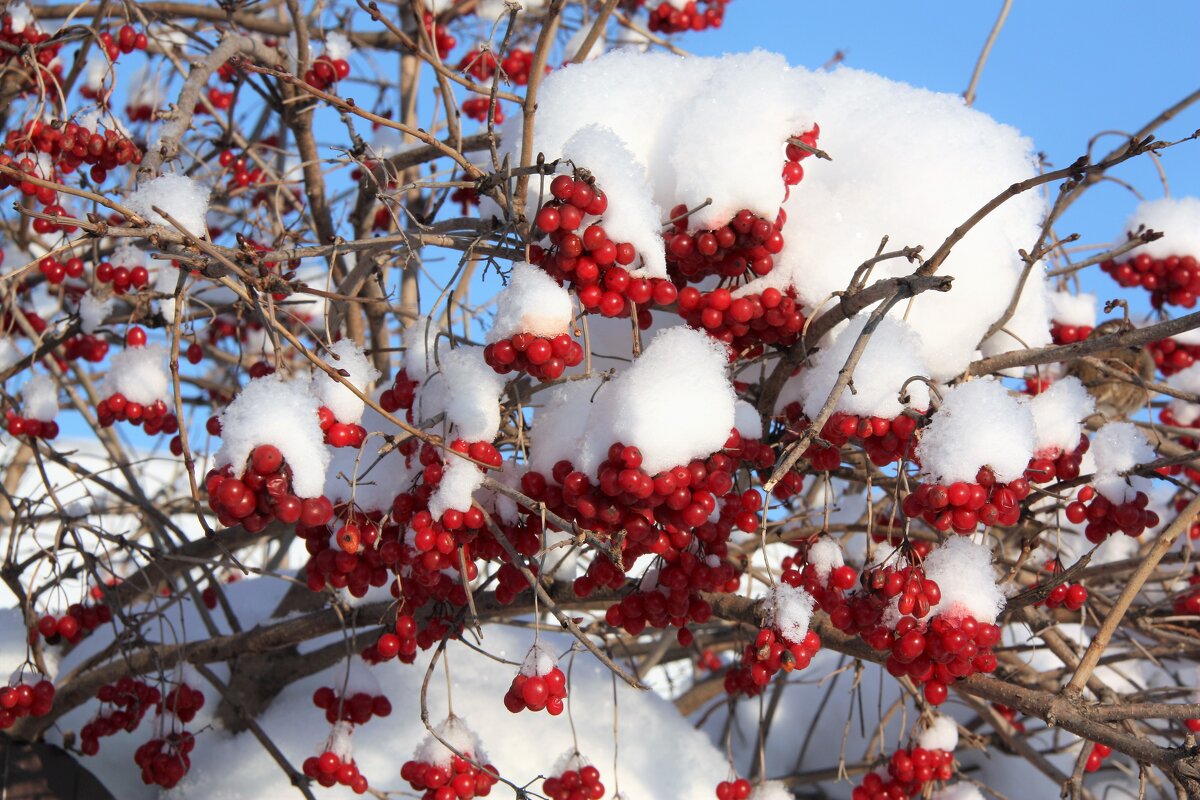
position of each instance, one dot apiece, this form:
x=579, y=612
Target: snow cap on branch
x=963, y=571
x=789, y=610
x=185, y=199
x=1176, y=218
x=978, y=424
x=1058, y=414
x=139, y=374
x=346, y=406
x=1119, y=447
x=532, y=302
x=39, y=398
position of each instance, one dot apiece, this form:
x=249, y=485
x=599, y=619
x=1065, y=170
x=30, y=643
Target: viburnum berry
x=539, y=685
x=736, y=789
x=572, y=778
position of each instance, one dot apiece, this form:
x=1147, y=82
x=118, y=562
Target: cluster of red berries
x=153, y=418
x=1068, y=596
x=328, y=769
x=746, y=244
x=696, y=15
x=441, y=38
x=45, y=53
x=79, y=621
x=358, y=708
x=746, y=323
x=676, y=601
x=1105, y=517
x=1009, y=716
x=244, y=172
x=458, y=780
x=582, y=783
x=962, y=506
x=769, y=653
x=165, y=760
x=478, y=108
x=482, y=65
x=1096, y=758
x=884, y=440
x=326, y=71
x=262, y=493
x=129, y=700
x=127, y=40
x=544, y=358
x=908, y=772
x=1171, y=356
x=183, y=701
x=68, y=146
x=1062, y=465
x=946, y=651
x=340, y=434
x=1174, y=280
x=542, y=686
x=121, y=277
x=796, y=572
x=25, y=700
x=737, y=789
x=510, y=581
x=16, y=425
x=352, y=561
x=86, y=346
x=401, y=644
x=401, y=395
x=55, y=271
x=1061, y=333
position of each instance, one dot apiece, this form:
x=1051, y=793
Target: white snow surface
x=963, y=571
x=1058, y=414
x=39, y=398
x=22, y=17
x=346, y=405
x=183, y=198
x=337, y=45
x=979, y=423
x=674, y=403
x=942, y=734
x=538, y=661
x=270, y=410
x=139, y=373
x=451, y=731
x=460, y=479
x=93, y=311
x=532, y=302
x=789, y=610
x=771, y=790
x=891, y=357
x=1177, y=218
x=1186, y=380
x=1073, y=309
x=469, y=392
x=1119, y=447
x=958, y=791
x=558, y=426
x=374, y=490
x=825, y=555
x=746, y=420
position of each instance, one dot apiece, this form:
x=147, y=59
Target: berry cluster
x=328, y=769
x=580, y=781
x=45, y=53
x=401, y=644
x=539, y=685
x=908, y=772
x=1189, y=601
x=1058, y=465
x=79, y=621
x=400, y=396
x=962, y=506
x=746, y=244
x=769, y=653
x=1061, y=333
x=340, y=434
x=1171, y=355
x=183, y=701
x=24, y=700
x=543, y=358
x=1010, y=716
x=326, y=71
x=350, y=558
x=884, y=440
x=121, y=278
x=1174, y=280
x=357, y=708
x=747, y=322
x=737, y=789
x=86, y=346
x=458, y=780
x=696, y=15
x=1096, y=758
x=153, y=418
x=68, y=147
x=262, y=493
x=1068, y=596
x=944, y=652
x=127, y=40
x=129, y=700
x=53, y=270
x=676, y=601
x=164, y=760
x=16, y=425
x=441, y=38
x=478, y=108
x=1105, y=517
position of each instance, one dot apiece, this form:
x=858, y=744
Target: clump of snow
x=270, y=410
x=339, y=740
x=558, y=426
x=346, y=406
x=1186, y=380
x=532, y=302
x=570, y=760
x=674, y=403
x=1058, y=415
x=892, y=356
x=772, y=790
x=958, y=791
x=22, y=17
x=183, y=198
x=421, y=356
x=355, y=677
x=979, y=423
x=942, y=734
x=472, y=394
x=789, y=610
x=963, y=571
x=1177, y=219
x=93, y=311
x=337, y=46
x=454, y=732
x=746, y=420
x=39, y=398
x=632, y=215
x=825, y=555
x=538, y=661
x=1073, y=309
x=139, y=374
x=166, y=279
x=9, y=352
x=460, y=479
x=1119, y=447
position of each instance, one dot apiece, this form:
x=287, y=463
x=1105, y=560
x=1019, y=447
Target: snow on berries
x=185, y=199
x=39, y=407
x=341, y=409
x=530, y=332
x=908, y=772
x=1073, y=316
x=573, y=778
x=540, y=684
x=1119, y=447
x=137, y=386
x=435, y=766
x=1167, y=267
x=978, y=424
x=335, y=765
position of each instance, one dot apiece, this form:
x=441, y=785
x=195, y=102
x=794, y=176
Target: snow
x=1058, y=415
x=825, y=555
x=166, y=279
x=892, y=356
x=538, y=661
x=337, y=46
x=22, y=17
x=632, y=215
x=339, y=740
x=1119, y=447
x=93, y=311
x=558, y=426
x=942, y=734
x=958, y=791
x=139, y=374
x=1073, y=309
x=1186, y=380
x=452, y=731
x=746, y=420
x=472, y=394
x=789, y=610
x=963, y=571
x=532, y=302
x=346, y=406
x=39, y=398
x=421, y=355
x=1177, y=218
x=979, y=423
x=460, y=479
x=270, y=410
x=771, y=790
x=183, y=198
x=674, y=403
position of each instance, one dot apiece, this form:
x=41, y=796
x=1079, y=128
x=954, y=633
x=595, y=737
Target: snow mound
x=979, y=423
x=472, y=394
x=183, y=198
x=93, y=311
x=772, y=790
x=346, y=406
x=942, y=734
x=139, y=374
x=558, y=426
x=789, y=610
x=1073, y=309
x=538, y=661
x=460, y=479
x=825, y=555
x=39, y=398
x=958, y=791
x=454, y=732
x=963, y=571
x=1177, y=218
x=1119, y=447
x=532, y=302
x=1058, y=415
